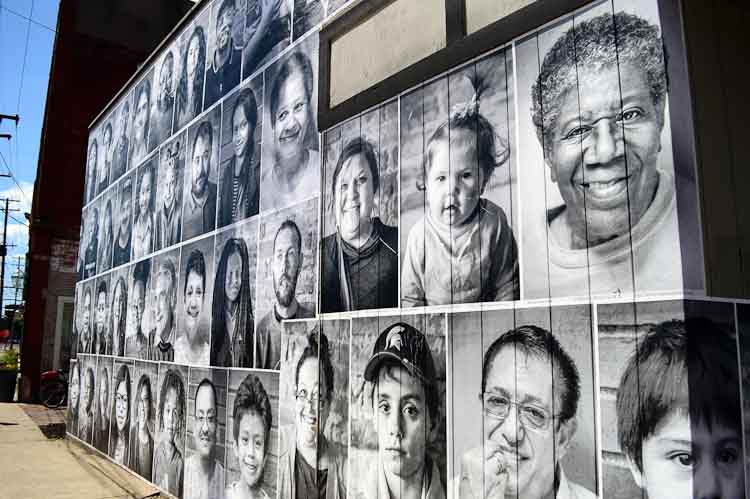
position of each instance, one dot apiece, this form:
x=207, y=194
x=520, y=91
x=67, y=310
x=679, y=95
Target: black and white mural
x=473, y=290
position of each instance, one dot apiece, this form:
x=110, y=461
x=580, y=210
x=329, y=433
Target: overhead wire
x=16, y=13
x=13, y=177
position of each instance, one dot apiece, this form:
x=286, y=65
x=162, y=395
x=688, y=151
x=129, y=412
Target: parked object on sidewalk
x=8, y=375
x=54, y=388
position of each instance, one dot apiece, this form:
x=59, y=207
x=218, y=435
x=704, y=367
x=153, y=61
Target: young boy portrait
x=678, y=412
x=405, y=399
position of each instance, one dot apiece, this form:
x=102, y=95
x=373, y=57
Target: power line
x=25, y=54
x=14, y=177
x=41, y=25
x=17, y=220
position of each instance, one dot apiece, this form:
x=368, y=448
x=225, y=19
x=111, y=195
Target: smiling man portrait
x=204, y=473
x=530, y=393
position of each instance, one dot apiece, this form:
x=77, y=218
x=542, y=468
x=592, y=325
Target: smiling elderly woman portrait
x=360, y=261
x=599, y=116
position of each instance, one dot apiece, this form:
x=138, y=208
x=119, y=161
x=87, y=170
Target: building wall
x=537, y=194
x=76, y=93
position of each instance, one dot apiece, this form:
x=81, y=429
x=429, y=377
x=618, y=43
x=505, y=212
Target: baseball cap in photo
x=402, y=344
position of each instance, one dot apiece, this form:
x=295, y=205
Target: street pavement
x=33, y=466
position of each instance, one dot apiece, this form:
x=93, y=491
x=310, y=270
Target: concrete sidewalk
x=32, y=466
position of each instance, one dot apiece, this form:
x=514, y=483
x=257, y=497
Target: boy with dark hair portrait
x=223, y=71
x=678, y=412
x=406, y=401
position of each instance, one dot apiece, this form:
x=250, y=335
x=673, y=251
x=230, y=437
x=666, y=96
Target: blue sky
x=23, y=91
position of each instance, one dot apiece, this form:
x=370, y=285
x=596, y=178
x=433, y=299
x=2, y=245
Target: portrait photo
x=91, y=253
x=234, y=300
x=103, y=400
x=77, y=323
x=314, y=419
x=606, y=224
x=168, y=229
x=84, y=311
x=457, y=176
x=291, y=155
x=191, y=70
x=536, y=363
x=103, y=340
x=360, y=213
x=162, y=105
x=120, y=119
x=119, y=432
x=308, y=14
x=141, y=112
x=398, y=406
x=671, y=412
x=252, y=434
x=105, y=131
x=143, y=417
x=171, y=415
x=74, y=393
x=287, y=275
x=118, y=309
x=139, y=319
x=225, y=40
x=206, y=433
x=82, y=243
x=241, y=133
x=743, y=335
x=87, y=398
x=123, y=219
x=194, y=299
x=92, y=166
x=201, y=176
x=144, y=208
x=267, y=32
x=106, y=236
x=162, y=301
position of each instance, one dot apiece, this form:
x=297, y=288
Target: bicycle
x=54, y=388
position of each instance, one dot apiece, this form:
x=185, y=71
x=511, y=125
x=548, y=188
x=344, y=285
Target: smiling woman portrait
x=359, y=261
x=610, y=214
x=295, y=164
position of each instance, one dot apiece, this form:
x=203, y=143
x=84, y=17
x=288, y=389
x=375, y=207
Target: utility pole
x=4, y=247
x=18, y=279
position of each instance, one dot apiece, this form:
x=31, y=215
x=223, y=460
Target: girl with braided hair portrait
x=232, y=327
x=460, y=230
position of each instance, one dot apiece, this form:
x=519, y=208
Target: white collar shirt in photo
x=607, y=270
x=276, y=195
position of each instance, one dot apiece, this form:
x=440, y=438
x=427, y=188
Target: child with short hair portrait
x=462, y=249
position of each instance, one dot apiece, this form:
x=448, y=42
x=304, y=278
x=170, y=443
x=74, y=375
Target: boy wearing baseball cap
x=405, y=399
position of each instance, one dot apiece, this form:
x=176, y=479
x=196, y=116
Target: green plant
x=9, y=359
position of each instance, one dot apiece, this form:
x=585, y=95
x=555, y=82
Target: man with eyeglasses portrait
x=204, y=473
x=530, y=393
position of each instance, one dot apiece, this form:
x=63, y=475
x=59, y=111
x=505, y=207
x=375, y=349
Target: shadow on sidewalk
x=106, y=472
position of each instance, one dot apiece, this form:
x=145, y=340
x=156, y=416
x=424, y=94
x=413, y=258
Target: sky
x=27, y=35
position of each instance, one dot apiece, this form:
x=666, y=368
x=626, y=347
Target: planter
x=8, y=379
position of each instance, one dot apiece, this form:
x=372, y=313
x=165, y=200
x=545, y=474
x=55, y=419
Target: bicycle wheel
x=53, y=394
